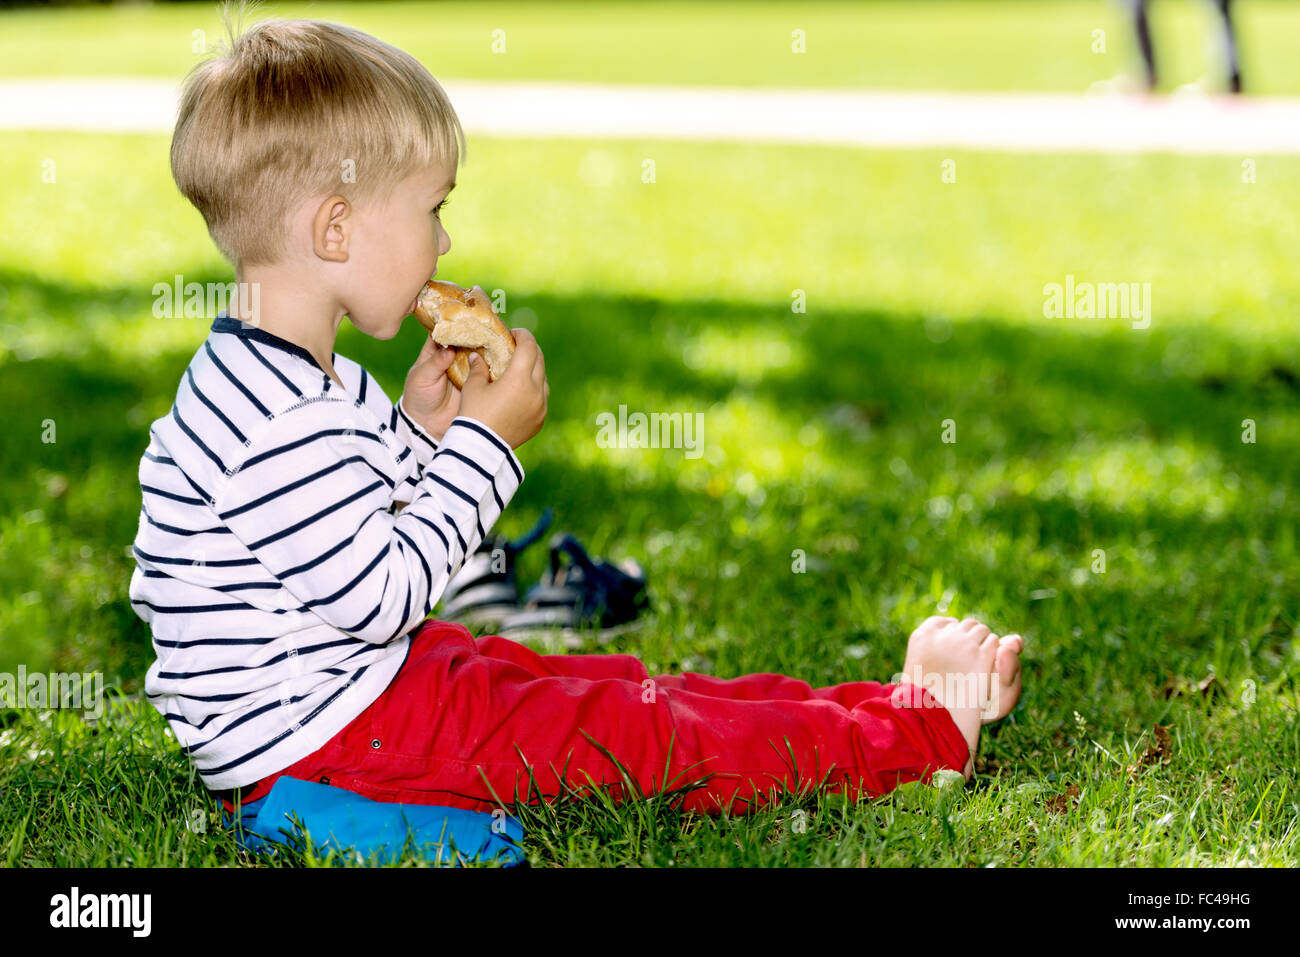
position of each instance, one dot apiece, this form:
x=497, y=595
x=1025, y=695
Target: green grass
x=822, y=433
x=113, y=795
x=916, y=44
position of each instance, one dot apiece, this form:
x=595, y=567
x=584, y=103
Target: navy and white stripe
x=276, y=566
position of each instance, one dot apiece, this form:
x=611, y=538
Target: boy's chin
x=386, y=331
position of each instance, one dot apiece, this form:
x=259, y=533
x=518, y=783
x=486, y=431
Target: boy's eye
x=437, y=209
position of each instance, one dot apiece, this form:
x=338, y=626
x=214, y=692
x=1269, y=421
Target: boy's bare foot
x=1006, y=692
x=961, y=663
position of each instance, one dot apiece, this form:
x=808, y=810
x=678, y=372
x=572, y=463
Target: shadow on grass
x=877, y=383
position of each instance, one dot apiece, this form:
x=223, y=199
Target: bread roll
x=465, y=320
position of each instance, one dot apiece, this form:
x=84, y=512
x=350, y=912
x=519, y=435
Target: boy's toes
x=1008, y=662
x=1008, y=677
x=934, y=623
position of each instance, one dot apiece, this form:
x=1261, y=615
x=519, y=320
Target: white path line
x=995, y=121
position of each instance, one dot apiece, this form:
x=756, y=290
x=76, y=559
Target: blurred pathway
x=876, y=118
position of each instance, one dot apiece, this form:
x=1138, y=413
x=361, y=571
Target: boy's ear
x=332, y=229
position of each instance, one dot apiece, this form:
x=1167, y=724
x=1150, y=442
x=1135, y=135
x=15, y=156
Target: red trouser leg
x=464, y=720
x=752, y=687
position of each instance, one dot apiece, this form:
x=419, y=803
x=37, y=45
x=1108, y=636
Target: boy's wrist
x=422, y=442
x=487, y=434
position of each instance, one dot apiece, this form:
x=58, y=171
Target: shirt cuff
x=467, y=437
x=419, y=441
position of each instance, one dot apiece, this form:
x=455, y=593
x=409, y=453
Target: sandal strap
x=594, y=589
x=565, y=544
x=533, y=534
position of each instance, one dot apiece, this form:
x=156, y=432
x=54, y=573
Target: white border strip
x=1105, y=123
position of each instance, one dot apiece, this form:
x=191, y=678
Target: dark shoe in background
x=579, y=599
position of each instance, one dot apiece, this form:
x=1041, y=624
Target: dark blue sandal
x=581, y=599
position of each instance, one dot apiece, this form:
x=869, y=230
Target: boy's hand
x=429, y=397
x=514, y=406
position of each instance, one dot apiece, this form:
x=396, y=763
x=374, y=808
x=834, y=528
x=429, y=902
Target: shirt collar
x=238, y=327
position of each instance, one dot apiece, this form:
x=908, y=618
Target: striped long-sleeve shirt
x=276, y=567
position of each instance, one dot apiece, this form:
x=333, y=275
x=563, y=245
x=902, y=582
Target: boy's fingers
x=525, y=349
x=524, y=340
x=539, y=367
x=538, y=359
x=429, y=349
x=441, y=356
x=478, y=371
x=443, y=359
x=523, y=358
x=532, y=357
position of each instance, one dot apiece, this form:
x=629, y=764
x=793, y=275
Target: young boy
x=298, y=527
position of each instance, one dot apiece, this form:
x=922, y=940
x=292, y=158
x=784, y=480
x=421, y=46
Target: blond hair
x=287, y=112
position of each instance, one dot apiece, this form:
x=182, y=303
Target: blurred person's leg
x=1142, y=27
x=1229, y=38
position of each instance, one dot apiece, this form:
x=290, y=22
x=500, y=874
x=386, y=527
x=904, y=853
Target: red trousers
x=463, y=714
